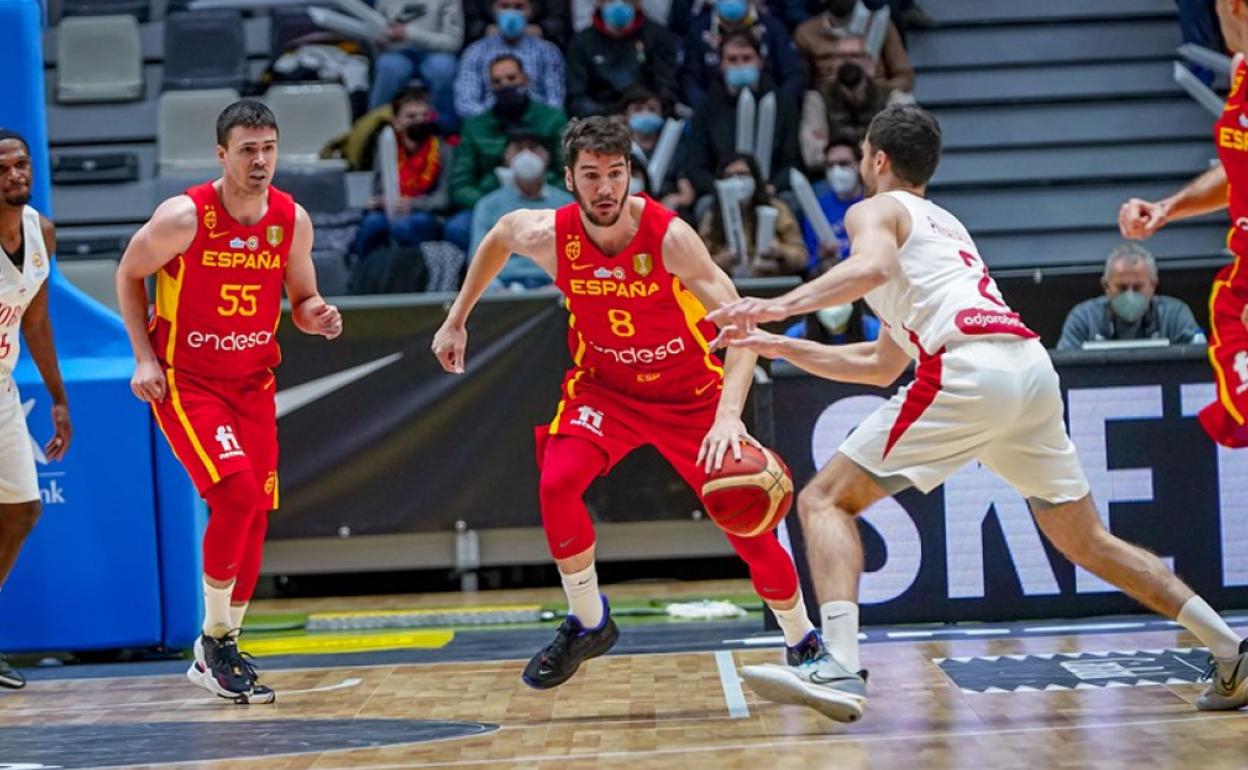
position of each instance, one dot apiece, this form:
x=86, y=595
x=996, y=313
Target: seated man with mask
x=524, y=187
x=1130, y=309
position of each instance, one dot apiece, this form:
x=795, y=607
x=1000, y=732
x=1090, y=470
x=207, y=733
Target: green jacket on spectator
x=483, y=138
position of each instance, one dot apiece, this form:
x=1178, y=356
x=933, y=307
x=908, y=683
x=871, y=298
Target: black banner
x=970, y=550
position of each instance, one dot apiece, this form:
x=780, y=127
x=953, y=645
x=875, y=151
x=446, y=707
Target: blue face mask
x=744, y=76
x=646, y=123
x=511, y=23
x=618, y=14
x=732, y=11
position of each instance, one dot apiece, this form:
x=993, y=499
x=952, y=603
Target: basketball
x=750, y=496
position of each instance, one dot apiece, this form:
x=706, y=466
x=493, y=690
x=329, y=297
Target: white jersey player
x=28, y=242
x=984, y=389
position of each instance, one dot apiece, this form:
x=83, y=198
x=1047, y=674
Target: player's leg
x=1225, y=419
x=20, y=505
x=569, y=464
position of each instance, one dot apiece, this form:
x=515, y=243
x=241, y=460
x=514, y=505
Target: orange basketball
x=750, y=496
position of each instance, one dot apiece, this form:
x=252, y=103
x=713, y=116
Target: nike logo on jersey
x=214, y=234
x=704, y=388
x=581, y=266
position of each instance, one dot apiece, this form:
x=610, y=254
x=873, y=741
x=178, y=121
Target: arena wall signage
x=970, y=549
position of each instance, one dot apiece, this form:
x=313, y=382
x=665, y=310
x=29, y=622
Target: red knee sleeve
x=253, y=554
x=569, y=466
x=232, y=502
x=771, y=567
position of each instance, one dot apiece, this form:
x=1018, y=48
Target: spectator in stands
x=646, y=114
x=423, y=39
x=621, y=50
x=825, y=43
x=423, y=164
x=851, y=101
x=543, y=61
x=841, y=189
x=483, y=142
x=787, y=253
x=528, y=161
x=713, y=132
x=551, y=20
x=701, y=67
x=657, y=11
x=1130, y=309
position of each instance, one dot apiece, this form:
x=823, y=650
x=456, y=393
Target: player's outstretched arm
x=1138, y=219
x=309, y=312
x=166, y=235
x=37, y=331
x=877, y=227
x=877, y=363
x=528, y=233
x=685, y=256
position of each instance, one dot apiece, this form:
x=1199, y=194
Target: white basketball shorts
x=18, y=480
x=997, y=402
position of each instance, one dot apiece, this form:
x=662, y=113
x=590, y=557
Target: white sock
x=1209, y=627
x=840, y=632
x=794, y=622
x=237, y=613
x=217, y=610
x=583, y=599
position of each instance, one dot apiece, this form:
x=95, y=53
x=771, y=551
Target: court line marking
x=345, y=684
x=728, y=679
x=782, y=744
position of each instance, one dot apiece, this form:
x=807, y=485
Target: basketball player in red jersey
x=637, y=280
x=221, y=253
x=1225, y=185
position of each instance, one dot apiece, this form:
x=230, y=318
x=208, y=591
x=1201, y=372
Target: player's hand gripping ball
x=750, y=496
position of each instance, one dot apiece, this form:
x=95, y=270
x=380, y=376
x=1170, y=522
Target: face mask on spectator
x=528, y=165
x=843, y=180
x=510, y=102
x=1130, y=306
x=618, y=14
x=732, y=11
x=744, y=76
x=745, y=188
x=835, y=319
x=511, y=23
x=646, y=122
x=636, y=185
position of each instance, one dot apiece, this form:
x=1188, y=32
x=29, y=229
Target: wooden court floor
x=672, y=710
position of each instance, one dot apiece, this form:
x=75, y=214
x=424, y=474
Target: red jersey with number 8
x=218, y=303
x=632, y=326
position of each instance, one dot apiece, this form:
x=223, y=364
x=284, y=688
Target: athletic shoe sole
x=1236, y=700
x=780, y=685
x=12, y=684
x=201, y=678
x=549, y=684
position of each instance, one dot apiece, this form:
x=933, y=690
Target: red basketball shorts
x=219, y=427
x=618, y=424
x=1224, y=419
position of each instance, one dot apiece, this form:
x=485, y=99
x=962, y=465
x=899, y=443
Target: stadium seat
x=94, y=168
x=96, y=277
x=186, y=128
x=98, y=59
x=139, y=9
x=71, y=248
x=205, y=49
x=309, y=116
x=318, y=189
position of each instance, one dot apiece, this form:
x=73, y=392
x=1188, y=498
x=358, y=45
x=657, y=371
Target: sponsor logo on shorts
x=673, y=347
x=230, y=447
x=270, y=482
x=51, y=484
x=1240, y=367
x=982, y=321
x=590, y=419
x=234, y=342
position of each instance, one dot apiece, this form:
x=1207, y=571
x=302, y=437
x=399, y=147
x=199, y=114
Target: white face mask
x=528, y=165
x=745, y=188
x=835, y=319
x=635, y=186
x=843, y=180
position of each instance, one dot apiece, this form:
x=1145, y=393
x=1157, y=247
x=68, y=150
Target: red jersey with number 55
x=632, y=326
x=219, y=302
x=942, y=291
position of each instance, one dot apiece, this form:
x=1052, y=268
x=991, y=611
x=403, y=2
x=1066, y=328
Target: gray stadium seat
x=139, y=9
x=95, y=277
x=308, y=117
x=205, y=49
x=98, y=59
x=186, y=134
x=319, y=189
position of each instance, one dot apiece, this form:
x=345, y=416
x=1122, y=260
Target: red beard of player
x=597, y=212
